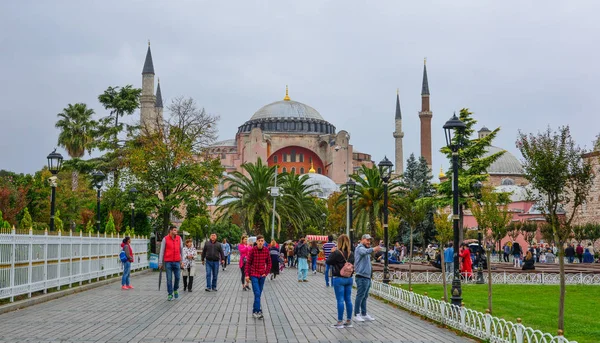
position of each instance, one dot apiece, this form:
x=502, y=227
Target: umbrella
x=159, y=277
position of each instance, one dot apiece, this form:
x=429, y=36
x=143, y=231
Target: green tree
x=58, y=223
x=110, y=225
x=554, y=166
x=445, y=233
x=336, y=214
x=229, y=231
x=172, y=170
x=89, y=227
x=196, y=226
x=296, y=207
x=3, y=223
x=26, y=222
x=76, y=133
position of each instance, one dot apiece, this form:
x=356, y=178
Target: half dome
x=507, y=164
x=320, y=185
x=287, y=109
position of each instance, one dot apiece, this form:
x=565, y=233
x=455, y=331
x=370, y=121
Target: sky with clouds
x=518, y=65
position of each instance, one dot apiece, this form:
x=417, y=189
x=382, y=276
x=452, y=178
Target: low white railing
x=31, y=263
x=540, y=278
x=474, y=323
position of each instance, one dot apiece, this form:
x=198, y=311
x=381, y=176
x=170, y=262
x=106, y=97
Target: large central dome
x=287, y=109
x=507, y=164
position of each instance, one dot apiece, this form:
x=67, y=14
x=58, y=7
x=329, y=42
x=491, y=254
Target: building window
x=319, y=170
x=309, y=159
x=301, y=157
x=284, y=159
x=223, y=156
x=302, y=170
x=293, y=170
x=283, y=170
x=293, y=156
x=275, y=159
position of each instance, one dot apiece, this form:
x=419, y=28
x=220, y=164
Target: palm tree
x=368, y=197
x=297, y=205
x=76, y=134
x=246, y=196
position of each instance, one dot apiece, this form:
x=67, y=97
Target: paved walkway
x=294, y=312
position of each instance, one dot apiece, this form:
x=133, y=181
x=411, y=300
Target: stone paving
x=294, y=312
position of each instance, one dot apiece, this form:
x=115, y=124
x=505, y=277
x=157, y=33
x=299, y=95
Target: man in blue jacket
x=449, y=259
x=363, y=270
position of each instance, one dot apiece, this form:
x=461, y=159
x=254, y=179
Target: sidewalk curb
x=18, y=305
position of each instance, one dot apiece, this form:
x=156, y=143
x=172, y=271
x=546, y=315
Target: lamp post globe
x=350, y=190
x=98, y=178
x=54, y=163
x=132, y=196
x=385, y=172
x=450, y=128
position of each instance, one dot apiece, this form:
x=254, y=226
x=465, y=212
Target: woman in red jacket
x=466, y=265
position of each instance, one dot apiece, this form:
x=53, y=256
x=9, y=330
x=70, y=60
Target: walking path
x=294, y=312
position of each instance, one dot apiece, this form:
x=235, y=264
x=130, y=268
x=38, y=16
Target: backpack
x=123, y=256
x=348, y=268
x=314, y=251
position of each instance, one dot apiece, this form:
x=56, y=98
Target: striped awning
x=316, y=238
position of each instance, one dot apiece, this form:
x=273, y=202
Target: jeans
x=327, y=277
x=290, y=261
x=229, y=259
x=243, y=270
x=449, y=267
x=505, y=257
x=126, y=273
x=313, y=262
x=212, y=271
x=173, y=269
x=571, y=259
x=362, y=293
x=258, y=284
x=343, y=294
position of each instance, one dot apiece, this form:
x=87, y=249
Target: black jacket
x=212, y=251
x=528, y=264
x=516, y=249
x=337, y=260
x=301, y=250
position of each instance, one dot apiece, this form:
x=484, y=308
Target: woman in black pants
x=244, y=249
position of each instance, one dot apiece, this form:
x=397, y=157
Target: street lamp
x=477, y=188
x=54, y=163
x=274, y=191
x=98, y=178
x=132, y=196
x=350, y=189
x=385, y=171
x=451, y=125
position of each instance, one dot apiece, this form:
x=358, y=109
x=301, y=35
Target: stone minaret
x=398, y=135
x=147, y=99
x=158, y=106
x=425, y=116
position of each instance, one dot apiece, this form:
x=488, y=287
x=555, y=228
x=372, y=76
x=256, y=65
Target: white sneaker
x=314, y=271
x=368, y=317
x=358, y=318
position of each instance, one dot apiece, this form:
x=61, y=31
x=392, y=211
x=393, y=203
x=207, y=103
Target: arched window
x=293, y=170
x=284, y=170
x=302, y=170
x=507, y=182
x=319, y=170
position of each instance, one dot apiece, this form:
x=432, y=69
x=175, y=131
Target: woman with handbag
x=189, y=266
x=341, y=261
x=244, y=249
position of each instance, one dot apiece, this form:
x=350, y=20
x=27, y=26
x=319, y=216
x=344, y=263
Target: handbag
x=348, y=268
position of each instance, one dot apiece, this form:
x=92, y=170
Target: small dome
x=321, y=185
x=287, y=109
x=507, y=164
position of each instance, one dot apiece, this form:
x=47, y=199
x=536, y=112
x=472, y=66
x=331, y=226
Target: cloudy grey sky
x=516, y=64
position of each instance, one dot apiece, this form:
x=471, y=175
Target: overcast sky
x=515, y=64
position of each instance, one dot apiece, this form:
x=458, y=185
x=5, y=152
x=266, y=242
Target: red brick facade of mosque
x=297, y=160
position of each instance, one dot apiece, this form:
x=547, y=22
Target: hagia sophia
x=298, y=139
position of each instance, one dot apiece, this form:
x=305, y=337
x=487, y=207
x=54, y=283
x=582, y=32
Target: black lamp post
x=477, y=188
x=98, y=177
x=451, y=125
x=385, y=171
x=350, y=189
x=54, y=163
x=132, y=196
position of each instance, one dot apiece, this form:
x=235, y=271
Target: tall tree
x=336, y=214
x=76, y=133
x=554, y=166
x=170, y=165
x=443, y=228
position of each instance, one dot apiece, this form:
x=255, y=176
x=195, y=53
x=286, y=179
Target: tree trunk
x=74, y=180
x=489, y=270
x=410, y=260
x=444, y=275
x=561, y=302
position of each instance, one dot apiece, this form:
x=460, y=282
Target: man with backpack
x=363, y=270
x=171, y=256
x=301, y=253
x=327, y=248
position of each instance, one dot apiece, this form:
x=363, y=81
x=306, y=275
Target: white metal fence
x=477, y=324
x=38, y=262
x=497, y=278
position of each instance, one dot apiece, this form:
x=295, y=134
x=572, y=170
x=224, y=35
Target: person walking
x=301, y=253
x=579, y=251
x=363, y=270
x=227, y=253
x=327, y=249
x=244, y=249
x=171, y=257
x=570, y=253
x=314, y=255
x=506, y=251
x=466, y=264
x=212, y=253
x=258, y=266
x=516, y=252
x=342, y=280
x=449, y=259
x=274, y=253
x=125, y=279
x=189, y=265
x=290, y=255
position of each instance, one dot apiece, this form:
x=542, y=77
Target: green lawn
x=536, y=305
